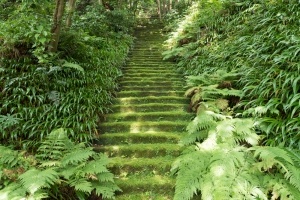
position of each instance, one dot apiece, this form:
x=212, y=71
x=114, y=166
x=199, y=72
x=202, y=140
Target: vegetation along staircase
x=149, y=116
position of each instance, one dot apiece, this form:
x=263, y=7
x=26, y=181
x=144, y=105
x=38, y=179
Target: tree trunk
x=100, y=2
x=170, y=5
x=159, y=9
x=71, y=9
x=55, y=30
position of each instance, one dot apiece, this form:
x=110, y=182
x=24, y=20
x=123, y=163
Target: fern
x=73, y=66
x=34, y=179
x=58, y=163
x=226, y=168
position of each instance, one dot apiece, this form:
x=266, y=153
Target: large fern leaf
x=35, y=179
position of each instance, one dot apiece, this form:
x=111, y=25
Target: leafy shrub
x=60, y=169
x=71, y=88
x=259, y=40
x=220, y=165
x=256, y=41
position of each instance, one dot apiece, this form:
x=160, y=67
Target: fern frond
x=106, y=190
x=54, y=96
x=271, y=156
x=82, y=185
x=77, y=155
x=34, y=179
x=55, y=145
x=94, y=167
x=73, y=66
x=8, y=156
x=191, y=91
x=222, y=104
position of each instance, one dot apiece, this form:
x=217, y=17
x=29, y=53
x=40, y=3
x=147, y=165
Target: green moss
x=141, y=150
x=132, y=138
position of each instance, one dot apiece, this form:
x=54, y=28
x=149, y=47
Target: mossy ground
x=146, y=122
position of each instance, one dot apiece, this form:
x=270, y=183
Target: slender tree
x=159, y=8
x=71, y=9
x=56, y=27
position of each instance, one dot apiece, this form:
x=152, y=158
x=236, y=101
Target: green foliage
x=256, y=39
x=220, y=166
x=250, y=46
x=58, y=166
x=70, y=89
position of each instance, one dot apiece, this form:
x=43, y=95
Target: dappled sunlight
x=135, y=127
x=125, y=100
x=187, y=21
x=126, y=110
x=160, y=179
x=151, y=130
x=210, y=143
x=218, y=170
x=116, y=148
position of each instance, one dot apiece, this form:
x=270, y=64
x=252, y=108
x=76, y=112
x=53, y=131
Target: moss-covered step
x=147, y=107
x=151, y=116
x=148, y=195
x=155, y=93
x=140, y=127
x=153, y=65
x=155, y=79
x=160, y=73
x=151, y=82
x=131, y=166
x=151, y=87
x=141, y=183
x=134, y=138
x=146, y=100
x=140, y=150
x=149, y=70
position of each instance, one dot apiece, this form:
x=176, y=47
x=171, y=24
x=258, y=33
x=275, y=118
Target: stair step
x=157, y=66
x=141, y=183
x=148, y=107
x=131, y=138
x=146, y=100
x=149, y=195
x=137, y=93
x=150, y=87
x=151, y=83
x=148, y=70
x=153, y=74
x=141, y=127
x=140, y=150
x=157, y=165
x=156, y=79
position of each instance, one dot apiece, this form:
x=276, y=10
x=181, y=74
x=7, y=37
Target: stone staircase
x=149, y=116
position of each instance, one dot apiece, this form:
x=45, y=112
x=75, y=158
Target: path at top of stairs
x=148, y=117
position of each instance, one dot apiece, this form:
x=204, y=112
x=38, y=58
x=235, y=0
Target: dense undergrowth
x=71, y=88
x=42, y=90
x=241, y=59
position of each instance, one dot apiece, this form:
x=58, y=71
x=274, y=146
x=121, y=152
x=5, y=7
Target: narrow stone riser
x=164, y=100
x=152, y=83
x=147, y=152
x=149, y=87
x=149, y=93
x=160, y=74
x=138, y=127
x=140, y=70
x=142, y=54
x=152, y=166
x=150, y=107
x=156, y=79
x=158, y=186
x=152, y=118
x=132, y=138
x=152, y=66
